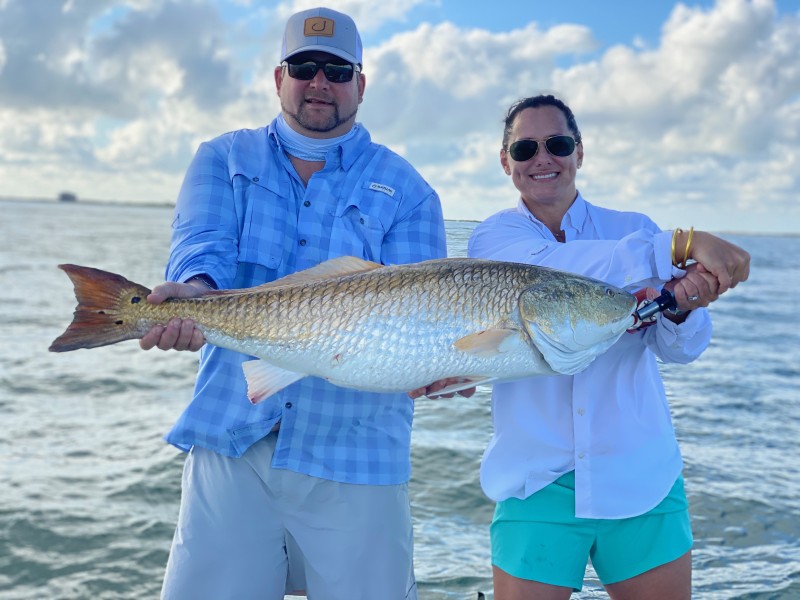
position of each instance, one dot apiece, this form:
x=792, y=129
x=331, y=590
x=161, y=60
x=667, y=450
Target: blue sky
x=690, y=111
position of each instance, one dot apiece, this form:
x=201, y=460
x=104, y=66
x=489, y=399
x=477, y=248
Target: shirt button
x=302, y=242
x=581, y=411
x=361, y=220
x=306, y=203
x=255, y=179
x=581, y=455
x=288, y=405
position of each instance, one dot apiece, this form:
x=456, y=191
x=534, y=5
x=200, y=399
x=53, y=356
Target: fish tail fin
x=103, y=315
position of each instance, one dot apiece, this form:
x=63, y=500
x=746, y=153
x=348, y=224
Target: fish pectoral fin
x=487, y=343
x=264, y=379
x=463, y=384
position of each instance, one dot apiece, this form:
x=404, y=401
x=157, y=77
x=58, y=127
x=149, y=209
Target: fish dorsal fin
x=264, y=379
x=330, y=269
x=487, y=343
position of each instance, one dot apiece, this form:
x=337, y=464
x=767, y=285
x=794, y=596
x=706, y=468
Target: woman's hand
x=697, y=289
x=728, y=263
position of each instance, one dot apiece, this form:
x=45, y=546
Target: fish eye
x=609, y=292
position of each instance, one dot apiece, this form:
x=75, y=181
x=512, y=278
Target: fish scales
x=374, y=325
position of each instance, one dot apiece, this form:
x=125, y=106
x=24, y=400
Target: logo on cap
x=318, y=26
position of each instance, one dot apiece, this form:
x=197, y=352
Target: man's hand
x=440, y=385
x=178, y=334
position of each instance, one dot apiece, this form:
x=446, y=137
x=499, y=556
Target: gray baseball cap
x=322, y=29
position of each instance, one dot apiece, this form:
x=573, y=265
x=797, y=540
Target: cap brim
x=328, y=50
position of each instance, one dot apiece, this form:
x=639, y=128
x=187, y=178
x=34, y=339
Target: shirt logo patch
x=318, y=26
x=379, y=187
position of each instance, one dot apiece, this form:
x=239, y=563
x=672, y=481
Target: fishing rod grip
x=664, y=302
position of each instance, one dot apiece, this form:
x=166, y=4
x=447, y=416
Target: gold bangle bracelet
x=688, y=245
x=675, y=233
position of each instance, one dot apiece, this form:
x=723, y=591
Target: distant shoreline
x=84, y=201
x=92, y=201
x=121, y=203
x=168, y=204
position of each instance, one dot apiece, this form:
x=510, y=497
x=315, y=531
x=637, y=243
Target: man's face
x=317, y=107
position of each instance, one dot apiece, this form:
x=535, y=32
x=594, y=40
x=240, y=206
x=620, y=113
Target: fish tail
x=106, y=311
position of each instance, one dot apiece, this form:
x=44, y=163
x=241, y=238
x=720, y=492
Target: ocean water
x=89, y=491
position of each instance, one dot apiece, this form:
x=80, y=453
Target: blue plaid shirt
x=244, y=218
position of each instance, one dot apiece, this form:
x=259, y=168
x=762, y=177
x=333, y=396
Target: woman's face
x=543, y=180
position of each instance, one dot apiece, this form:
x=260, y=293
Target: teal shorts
x=540, y=538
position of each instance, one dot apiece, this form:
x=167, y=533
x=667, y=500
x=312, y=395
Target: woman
x=588, y=466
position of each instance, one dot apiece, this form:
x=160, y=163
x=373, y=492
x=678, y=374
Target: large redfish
x=362, y=325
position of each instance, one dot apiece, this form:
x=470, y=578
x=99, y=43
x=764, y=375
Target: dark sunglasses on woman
x=334, y=72
x=557, y=145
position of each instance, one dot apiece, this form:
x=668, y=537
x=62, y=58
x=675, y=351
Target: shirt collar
x=574, y=219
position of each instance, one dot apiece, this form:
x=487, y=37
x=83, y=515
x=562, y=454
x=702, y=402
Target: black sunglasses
x=557, y=145
x=334, y=72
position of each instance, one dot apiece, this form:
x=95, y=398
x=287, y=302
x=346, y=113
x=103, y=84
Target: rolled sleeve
x=205, y=230
x=636, y=259
x=507, y=236
x=680, y=342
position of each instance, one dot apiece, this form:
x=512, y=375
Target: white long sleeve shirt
x=610, y=423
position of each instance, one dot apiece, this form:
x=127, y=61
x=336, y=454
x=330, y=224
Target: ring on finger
x=693, y=298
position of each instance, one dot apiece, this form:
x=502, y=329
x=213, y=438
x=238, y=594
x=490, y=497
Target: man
x=308, y=489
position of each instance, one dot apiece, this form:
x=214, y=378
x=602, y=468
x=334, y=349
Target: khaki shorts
x=246, y=530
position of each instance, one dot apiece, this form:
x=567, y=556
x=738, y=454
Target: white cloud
x=431, y=88
x=701, y=127
x=704, y=125
x=709, y=117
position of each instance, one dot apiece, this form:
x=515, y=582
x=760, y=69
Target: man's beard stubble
x=304, y=120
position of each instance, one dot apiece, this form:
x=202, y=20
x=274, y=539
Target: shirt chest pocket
x=361, y=222
x=265, y=230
